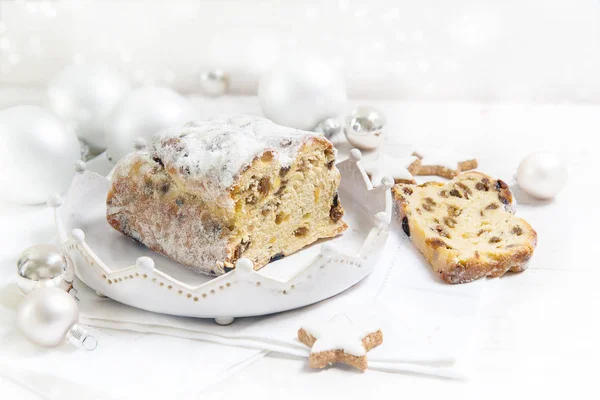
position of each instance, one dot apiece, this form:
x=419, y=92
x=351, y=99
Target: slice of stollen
x=465, y=228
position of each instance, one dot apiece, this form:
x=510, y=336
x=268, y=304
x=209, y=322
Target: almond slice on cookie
x=443, y=161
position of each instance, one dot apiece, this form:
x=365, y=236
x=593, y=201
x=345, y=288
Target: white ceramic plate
x=127, y=272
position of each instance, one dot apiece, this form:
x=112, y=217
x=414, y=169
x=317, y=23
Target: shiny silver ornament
x=329, y=127
x=364, y=128
x=49, y=316
x=44, y=265
x=214, y=83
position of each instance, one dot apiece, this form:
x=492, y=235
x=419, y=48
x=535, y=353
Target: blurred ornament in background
x=214, y=83
x=142, y=114
x=49, y=316
x=44, y=265
x=364, y=128
x=542, y=175
x=301, y=92
x=329, y=127
x=36, y=155
x=140, y=144
x=83, y=96
x=84, y=150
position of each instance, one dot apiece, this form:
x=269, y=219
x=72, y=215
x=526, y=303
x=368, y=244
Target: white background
x=538, y=330
x=543, y=51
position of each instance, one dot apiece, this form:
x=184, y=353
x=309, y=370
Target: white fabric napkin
x=126, y=365
x=427, y=325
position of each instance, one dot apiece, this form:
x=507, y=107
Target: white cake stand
x=125, y=271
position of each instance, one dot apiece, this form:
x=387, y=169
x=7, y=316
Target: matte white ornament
x=214, y=83
x=44, y=265
x=142, y=114
x=36, y=155
x=300, y=93
x=329, y=127
x=542, y=175
x=49, y=316
x=83, y=97
x=364, y=128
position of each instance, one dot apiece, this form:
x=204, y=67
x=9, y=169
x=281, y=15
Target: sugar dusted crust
x=207, y=157
x=184, y=198
x=465, y=228
x=324, y=358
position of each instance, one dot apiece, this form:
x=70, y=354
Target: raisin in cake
x=235, y=186
x=465, y=227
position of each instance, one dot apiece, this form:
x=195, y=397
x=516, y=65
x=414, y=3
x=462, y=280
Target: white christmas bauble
x=46, y=315
x=36, y=155
x=214, y=83
x=142, y=114
x=542, y=175
x=300, y=93
x=83, y=96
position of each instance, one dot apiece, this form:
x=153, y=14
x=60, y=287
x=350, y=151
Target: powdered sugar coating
x=208, y=156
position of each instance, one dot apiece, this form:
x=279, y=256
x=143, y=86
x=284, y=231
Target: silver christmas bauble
x=83, y=96
x=329, y=127
x=46, y=315
x=142, y=114
x=542, y=175
x=214, y=83
x=36, y=155
x=300, y=92
x=364, y=128
x=44, y=265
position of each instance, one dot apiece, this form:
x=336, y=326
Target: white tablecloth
x=538, y=329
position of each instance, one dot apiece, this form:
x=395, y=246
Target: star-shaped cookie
x=442, y=161
x=339, y=341
x=401, y=169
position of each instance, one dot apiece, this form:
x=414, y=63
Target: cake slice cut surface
x=465, y=228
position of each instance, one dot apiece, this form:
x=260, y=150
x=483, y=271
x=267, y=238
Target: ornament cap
x=80, y=337
x=79, y=166
x=54, y=201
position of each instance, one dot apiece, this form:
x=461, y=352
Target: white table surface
x=538, y=330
